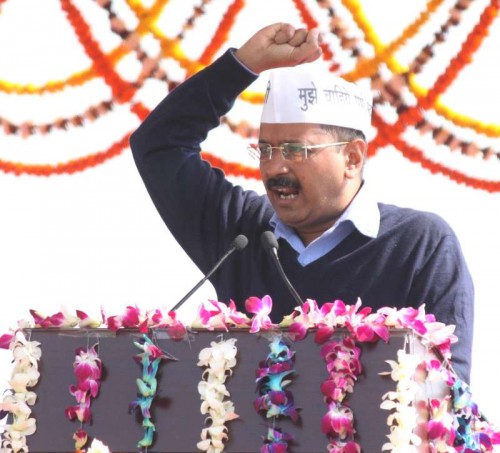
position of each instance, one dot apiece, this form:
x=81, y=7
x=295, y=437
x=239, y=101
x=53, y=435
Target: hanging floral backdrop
x=78, y=76
x=147, y=42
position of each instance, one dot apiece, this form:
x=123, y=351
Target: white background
x=94, y=239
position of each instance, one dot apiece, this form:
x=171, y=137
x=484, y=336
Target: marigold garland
x=222, y=32
x=122, y=91
x=464, y=55
x=368, y=67
x=70, y=167
x=415, y=155
x=474, y=38
x=104, y=66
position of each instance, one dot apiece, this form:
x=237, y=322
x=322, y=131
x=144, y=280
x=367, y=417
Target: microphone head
x=240, y=242
x=269, y=241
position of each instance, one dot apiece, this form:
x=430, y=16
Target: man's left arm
x=446, y=287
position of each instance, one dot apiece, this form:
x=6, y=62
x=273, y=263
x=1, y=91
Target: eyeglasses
x=296, y=152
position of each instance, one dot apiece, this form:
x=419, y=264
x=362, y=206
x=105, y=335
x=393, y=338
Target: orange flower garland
x=70, y=167
x=464, y=56
x=104, y=65
x=122, y=91
x=222, y=32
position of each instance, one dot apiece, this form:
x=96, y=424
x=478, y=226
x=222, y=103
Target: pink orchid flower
x=81, y=412
x=261, y=308
x=114, y=323
x=338, y=421
x=6, y=340
x=337, y=386
x=217, y=314
x=372, y=329
x=341, y=447
x=211, y=315
x=88, y=369
x=152, y=351
x=323, y=333
x=80, y=438
x=159, y=319
x=176, y=330
x=441, y=336
x=238, y=318
x=305, y=317
x=342, y=356
x=132, y=318
x=86, y=321
x=408, y=317
x=56, y=320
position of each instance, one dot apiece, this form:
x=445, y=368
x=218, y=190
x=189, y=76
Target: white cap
x=311, y=94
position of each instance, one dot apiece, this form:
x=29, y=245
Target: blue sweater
x=415, y=259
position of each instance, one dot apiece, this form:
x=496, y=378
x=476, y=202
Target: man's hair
x=343, y=134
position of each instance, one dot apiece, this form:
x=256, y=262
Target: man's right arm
x=191, y=197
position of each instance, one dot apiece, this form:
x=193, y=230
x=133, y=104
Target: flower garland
x=17, y=401
x=69, y=167
x=122, y=91
x=414, y=154
x=273, y=375
x=472, y=43
x=344, y=366
x=392, y=94
x=105, y=65
x=472, y=430
x=451, y=423
x=88, y=372
x=219, y=360
x=403, y=419
x=368, y=67
x=150, y=360
x=222, y=32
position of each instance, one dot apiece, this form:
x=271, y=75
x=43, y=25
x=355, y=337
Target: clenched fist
x=280, y=45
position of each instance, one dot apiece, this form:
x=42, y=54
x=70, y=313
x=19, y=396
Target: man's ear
x=355, y=153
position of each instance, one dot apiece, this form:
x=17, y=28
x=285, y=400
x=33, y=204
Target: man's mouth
x=285, y=188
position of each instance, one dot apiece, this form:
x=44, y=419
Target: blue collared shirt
x=361, y=214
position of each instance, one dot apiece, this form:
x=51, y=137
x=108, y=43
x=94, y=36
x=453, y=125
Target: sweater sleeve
x=199, y=206
x=445, y=285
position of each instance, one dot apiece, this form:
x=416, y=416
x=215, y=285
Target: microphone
x=239, y=243
x=270, y=244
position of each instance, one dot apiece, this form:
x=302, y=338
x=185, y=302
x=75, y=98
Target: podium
x=176, y=407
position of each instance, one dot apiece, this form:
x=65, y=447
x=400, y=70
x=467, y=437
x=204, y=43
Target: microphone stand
x=239, y=243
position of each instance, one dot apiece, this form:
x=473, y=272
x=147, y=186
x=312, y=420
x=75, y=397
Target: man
x=335, y=242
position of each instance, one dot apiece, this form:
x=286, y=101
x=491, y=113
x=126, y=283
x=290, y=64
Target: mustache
x=282, y=182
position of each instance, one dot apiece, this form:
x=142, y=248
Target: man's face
x=309, y=196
